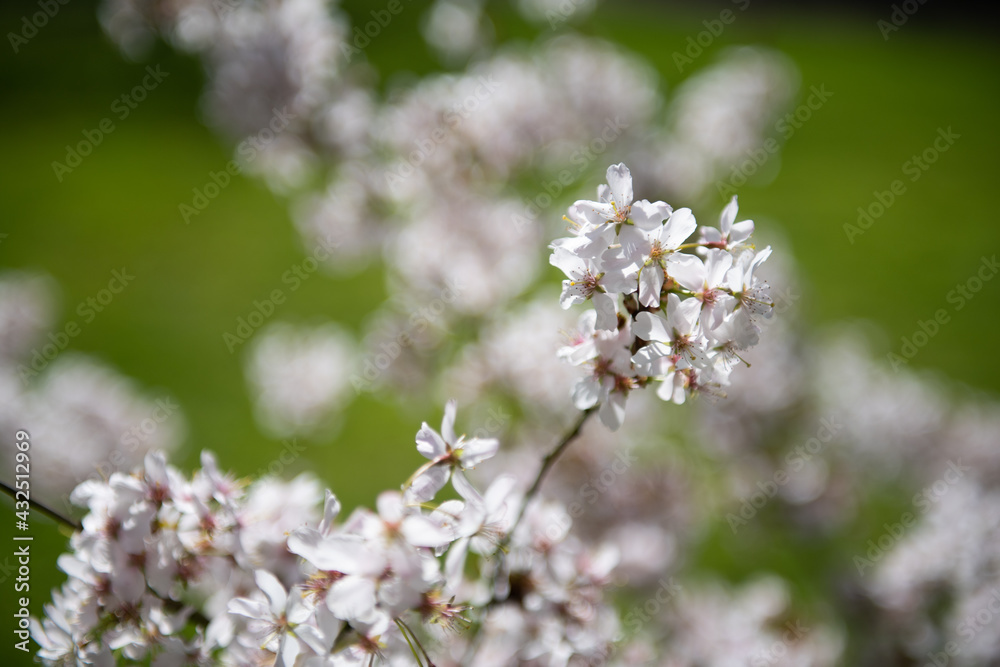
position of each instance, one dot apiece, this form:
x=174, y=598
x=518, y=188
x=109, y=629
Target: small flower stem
x=404, y=629
x=413, y=649
x=43, y=508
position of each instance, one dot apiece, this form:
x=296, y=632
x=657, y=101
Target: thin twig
x=547, y=464
x=43, y=508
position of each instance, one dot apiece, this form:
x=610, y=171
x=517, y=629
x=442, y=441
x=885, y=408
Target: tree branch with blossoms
x=180, y=570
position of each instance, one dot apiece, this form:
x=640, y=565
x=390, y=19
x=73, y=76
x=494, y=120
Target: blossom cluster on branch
x=263, y=579
x=661, y=315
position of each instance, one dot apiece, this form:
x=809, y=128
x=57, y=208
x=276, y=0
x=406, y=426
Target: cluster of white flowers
x=299, y=377
x=660, y=314
x=263, y=578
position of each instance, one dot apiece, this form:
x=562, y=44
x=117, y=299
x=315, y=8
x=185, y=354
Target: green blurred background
x=192, y=281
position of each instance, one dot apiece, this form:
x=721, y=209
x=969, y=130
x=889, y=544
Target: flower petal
x=612, y=411
x=607, y=311
x=651, y=327
x=650, y=283
x=620, y=182
x=448, y=422
x=680, y=226
x=586, y=393
x=429, y=443
x=352, y=598
x=427, y=484
x=688, y=270
x=477, y=450
x=273, y=589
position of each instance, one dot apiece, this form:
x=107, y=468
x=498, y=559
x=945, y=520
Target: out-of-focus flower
x=299, y=376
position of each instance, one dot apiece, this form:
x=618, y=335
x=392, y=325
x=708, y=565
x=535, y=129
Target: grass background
x=120, y=209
